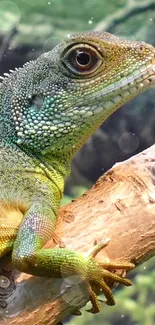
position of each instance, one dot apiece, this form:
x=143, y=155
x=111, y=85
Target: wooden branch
x=121, y=206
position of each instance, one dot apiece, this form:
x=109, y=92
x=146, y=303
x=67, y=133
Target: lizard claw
x=97, y=247
x=100, y=273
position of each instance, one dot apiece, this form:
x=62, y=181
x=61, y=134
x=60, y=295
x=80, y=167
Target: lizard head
x=58, y=100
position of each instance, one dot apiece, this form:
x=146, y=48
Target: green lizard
x=48, y=109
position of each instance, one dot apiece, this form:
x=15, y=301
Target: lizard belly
x=11, y=216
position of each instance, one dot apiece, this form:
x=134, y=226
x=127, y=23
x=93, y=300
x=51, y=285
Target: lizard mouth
x=114, y=96
x=124, y=89
x=139, y=78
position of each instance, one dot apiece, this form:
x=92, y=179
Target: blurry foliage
x=38, y=20
x=76, y=191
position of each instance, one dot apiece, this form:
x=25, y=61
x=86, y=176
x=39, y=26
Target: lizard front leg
x=29, y=255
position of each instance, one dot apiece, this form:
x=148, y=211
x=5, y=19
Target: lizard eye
x=82, y=59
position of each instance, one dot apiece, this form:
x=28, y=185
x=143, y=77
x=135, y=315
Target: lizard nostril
x=149, y=79
x=141, y=48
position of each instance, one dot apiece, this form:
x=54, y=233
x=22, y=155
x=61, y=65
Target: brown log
x=120, y=206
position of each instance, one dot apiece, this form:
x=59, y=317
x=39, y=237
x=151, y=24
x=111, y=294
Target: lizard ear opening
x=36, y=101
x=82, y=59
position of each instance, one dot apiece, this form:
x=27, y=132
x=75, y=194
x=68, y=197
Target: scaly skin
x=48, y=109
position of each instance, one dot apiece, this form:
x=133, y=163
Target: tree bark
x=120, y=206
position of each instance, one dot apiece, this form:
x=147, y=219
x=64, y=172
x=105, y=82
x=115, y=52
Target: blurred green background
x=31, y=27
